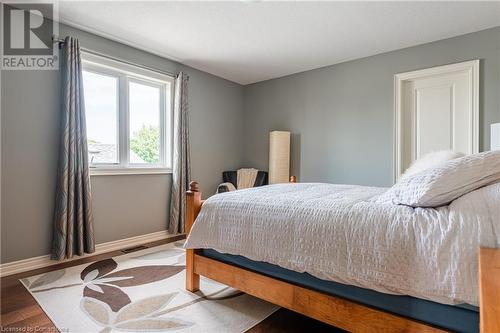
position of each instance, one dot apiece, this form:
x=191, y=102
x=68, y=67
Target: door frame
x=471, y=67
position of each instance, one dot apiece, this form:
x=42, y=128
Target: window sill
x=128, y=171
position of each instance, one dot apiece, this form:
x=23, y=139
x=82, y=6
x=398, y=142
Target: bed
x=379, y=267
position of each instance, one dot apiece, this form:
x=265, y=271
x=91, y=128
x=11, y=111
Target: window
x=101, y=109
x=128, y=111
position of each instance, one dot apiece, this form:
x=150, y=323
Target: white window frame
x=126, y=73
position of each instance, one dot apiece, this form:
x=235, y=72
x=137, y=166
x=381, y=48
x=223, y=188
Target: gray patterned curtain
x=73, y=220
x=181, y=171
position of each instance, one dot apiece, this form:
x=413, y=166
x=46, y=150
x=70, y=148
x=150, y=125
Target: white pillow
x=440, y=185
x=431, y=160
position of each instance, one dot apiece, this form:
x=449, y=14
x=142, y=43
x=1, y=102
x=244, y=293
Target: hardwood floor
x=21, y=313
x=286, y=321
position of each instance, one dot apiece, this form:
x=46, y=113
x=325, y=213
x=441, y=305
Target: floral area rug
x=142, y=291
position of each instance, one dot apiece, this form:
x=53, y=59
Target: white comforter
x=343, y=233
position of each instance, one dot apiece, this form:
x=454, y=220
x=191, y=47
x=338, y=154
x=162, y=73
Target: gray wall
x=126, y=205
x=341, y=116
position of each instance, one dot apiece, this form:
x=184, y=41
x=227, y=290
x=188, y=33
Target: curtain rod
x=61, y=41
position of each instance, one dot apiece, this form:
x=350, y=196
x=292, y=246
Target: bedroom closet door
x=436, y=109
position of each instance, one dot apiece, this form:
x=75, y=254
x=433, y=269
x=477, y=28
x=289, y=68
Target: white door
x=436, y=109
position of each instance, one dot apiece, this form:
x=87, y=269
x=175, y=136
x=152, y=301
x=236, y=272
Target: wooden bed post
x=193, y=206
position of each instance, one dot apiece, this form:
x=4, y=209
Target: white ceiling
x=251, y=41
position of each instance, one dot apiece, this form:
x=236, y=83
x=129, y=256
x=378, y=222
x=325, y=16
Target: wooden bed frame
x=332, y=310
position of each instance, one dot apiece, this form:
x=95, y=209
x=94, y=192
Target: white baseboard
x=19, y=266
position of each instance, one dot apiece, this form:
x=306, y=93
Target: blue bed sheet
x=454, y=318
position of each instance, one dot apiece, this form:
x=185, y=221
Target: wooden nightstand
x=489, y=290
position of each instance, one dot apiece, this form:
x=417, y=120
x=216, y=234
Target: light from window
x=128, y=115
x=144, y=120
x=101, y=109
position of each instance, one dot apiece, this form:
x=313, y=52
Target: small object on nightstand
x=495, y=137
x=293, y=179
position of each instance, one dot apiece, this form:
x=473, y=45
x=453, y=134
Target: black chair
x=231, y=177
